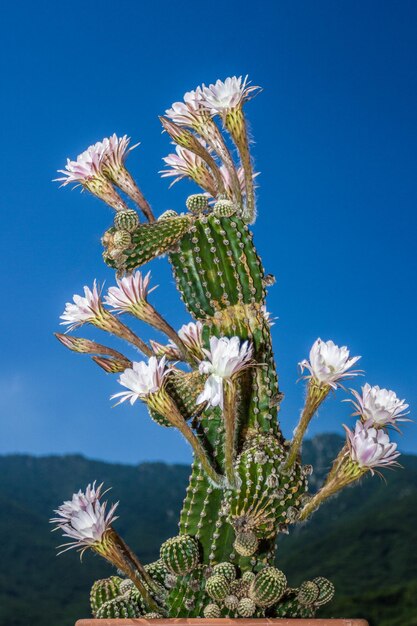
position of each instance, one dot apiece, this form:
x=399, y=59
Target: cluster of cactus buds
x=214, y=380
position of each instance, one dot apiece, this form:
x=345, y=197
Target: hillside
x=364, y=540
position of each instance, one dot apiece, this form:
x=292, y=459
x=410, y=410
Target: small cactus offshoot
x=214, y=380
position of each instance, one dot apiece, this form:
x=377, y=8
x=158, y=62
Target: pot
x=221, y=622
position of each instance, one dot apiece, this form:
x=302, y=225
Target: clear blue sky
x=335, y=131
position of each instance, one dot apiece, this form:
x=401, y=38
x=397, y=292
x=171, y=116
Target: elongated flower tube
x=366, y=450
x=86, y=346
x=226, y=359
x=88, y=524
x=89, y=309
x=114, y=152
x=87, y=171
x=379, y=407
x=145, y=381
x=227, y=98
x=186, y=164
x=130, y=296
x=193, y=113
x=328, y=365
x=188, y=140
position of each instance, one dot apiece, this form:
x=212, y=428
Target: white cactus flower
x=86, y=166
x=110, y=152
x=379, y=407
x=188, y=112
x=329, y=363
x=114, y=151
x=83, y=309
x=182, y=164
x=370, y=447
x=142, y=379
x=223, y=96
x=131, y=290
x=84, y=518
x=192, y=336
x=226, y=358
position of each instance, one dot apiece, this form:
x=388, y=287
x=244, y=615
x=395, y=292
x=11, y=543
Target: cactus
x=180, y=554
x=247, y=483
x=268, y=586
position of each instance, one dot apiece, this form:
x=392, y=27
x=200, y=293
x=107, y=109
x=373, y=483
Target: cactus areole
x=214, y=380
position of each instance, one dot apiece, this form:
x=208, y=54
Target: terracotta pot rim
x=222, y=622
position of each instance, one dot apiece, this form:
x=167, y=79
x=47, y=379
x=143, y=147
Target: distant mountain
x=364, y=540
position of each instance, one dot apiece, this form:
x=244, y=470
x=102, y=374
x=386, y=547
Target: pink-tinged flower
x=379, y=407
x=86, y=166
x=189, y=112
x=228, y=183
x=131, y=291
x=191, y=336
x=329, y=364
x=226, y=95
x=370, y=447
x=87, y=170
x=142, y=379
x=225, y=359
x=83, y=309
x=114, y=151
x=187, y=164
x=84, y=519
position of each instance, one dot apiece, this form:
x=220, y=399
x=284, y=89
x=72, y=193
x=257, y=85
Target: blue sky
x=335, y=141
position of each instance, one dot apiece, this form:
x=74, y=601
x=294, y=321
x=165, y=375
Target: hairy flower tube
x=328, y=365
x=130, y=296
x=89, y=309
x=227, y=98
x=145, y=381
x=88, y=524
x=366, y=450
x=114, y=152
